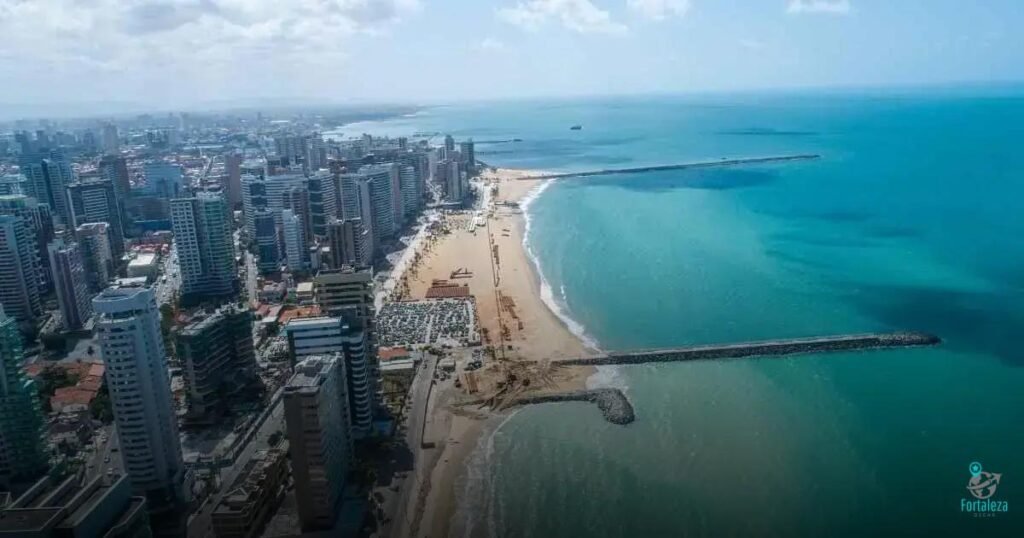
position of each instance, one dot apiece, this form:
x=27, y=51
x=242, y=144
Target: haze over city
x=112, y=55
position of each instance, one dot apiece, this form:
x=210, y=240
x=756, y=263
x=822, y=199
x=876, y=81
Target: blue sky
x=180, y=53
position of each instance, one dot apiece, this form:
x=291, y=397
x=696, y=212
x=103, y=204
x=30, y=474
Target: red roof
x=391, y=353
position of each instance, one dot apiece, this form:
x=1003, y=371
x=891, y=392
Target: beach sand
x=541, y=336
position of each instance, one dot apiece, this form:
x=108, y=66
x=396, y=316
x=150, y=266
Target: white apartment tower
x=128, y=330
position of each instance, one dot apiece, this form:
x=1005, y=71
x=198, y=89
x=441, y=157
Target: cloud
x=181, y=45
x=490, y=44
x=578, y=15
x=834, y=7
x=659, y=9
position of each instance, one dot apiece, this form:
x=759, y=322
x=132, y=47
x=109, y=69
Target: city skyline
x=185, y=54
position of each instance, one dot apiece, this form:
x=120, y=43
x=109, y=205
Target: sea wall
x=772, y=348
x=612, y=403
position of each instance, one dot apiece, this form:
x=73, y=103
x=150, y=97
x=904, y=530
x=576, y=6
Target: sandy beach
x=514, y=320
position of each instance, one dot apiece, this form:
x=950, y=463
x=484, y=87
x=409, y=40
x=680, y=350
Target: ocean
x=911, y=220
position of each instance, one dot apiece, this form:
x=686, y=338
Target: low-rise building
x=144, y=265
x=75, y=507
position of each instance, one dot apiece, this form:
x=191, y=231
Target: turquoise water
x=911, y=220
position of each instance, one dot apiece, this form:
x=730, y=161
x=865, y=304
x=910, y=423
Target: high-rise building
x=12, y=184
x=94, y=240
x=323, y=202
x=206, y=253
x=376, y=204
x=69, y=280
x=96, y=201
x=268, y=252
x=410, y=192
x=297, y=200
x=253, y=498
x=449, y=143
x=111, y=140
x=348, y=190
x=348, y=244
x=132, y=348
x=22, y=449
x=233, y=178
x=219, y=362
x=47, y=181
x=38, y=221
x=292, y=148
x=294, y=241
x=115, y=169
x=254, y=199
x=19, y=274
x=316, y=153
x=468, y=153
x=308, y=337
x=316, y=414
x=163, y=179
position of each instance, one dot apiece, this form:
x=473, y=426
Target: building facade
x=206, y=252
x=319, y=439
x=23, y=454
x=19, y=276
x=131, y=345
x=94, y=241
x=96, y=201
x=71, y=284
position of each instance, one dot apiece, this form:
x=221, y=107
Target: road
x=396, y=505
x=250, y=279
x=98, y=464
x=201, y=526
x=167, y=291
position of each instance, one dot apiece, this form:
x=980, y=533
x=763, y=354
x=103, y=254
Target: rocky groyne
x=770, y=348
x=682, y=166
x=612, y=403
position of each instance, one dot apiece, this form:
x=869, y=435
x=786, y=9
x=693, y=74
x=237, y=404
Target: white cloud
x=157, y=45
x=490, y=44
x=659, y=9
x=579, y=15
x=835, y=7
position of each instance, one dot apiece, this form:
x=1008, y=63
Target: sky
x=176, y=54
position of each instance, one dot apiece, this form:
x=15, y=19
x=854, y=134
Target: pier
x=684, y=166
x=768, y=348
x=612, y=403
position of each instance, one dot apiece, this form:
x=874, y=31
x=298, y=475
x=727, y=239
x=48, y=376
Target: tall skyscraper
x=38, y=221
x=297, y=200
x=47, y=181
x=115, y=168
x=206, y=253
x=349, y=244
x=69, y=280
x=233, y=178
x=94, y=240
x=449, y=143
x=468, y=152
x=315, y=410
x=163, y=179
x=268, y=252
x=254, y=199
x=128, y=330
x=111, y=139
x=376, y=204
x=19, y=274
x=293, y=148
x=294, y=241
x=96, y=201
x=220, y=362
x=22, y=449
x=323, y=198
x=309, y=337
x=12, y=184
x=410, y=193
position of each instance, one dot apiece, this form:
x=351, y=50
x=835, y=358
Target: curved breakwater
x=614, y=405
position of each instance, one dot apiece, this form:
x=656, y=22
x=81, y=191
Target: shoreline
x=517, y=320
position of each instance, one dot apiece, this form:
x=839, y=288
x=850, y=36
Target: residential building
x=319, y=439
x=12, y=184
x=449, y=143
x=70, y=282
x=348, y=244
x=233, y=178
x=376, y=204
x=115, y=169
x=47, y=180
x=37, y=219
x=19, y=276
x=127, y=326
x=410, y=191
x=295, y=250
x=219, y=361
x=268, y=253
x=253, y=497
x=23, y=454
x=323, y=202
x=94, y=241
x=202, y=228
x=468, y=153
x=77, y=507
x=111, y=139
x=163, y=179
x=96, y=201
x=308, y=337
